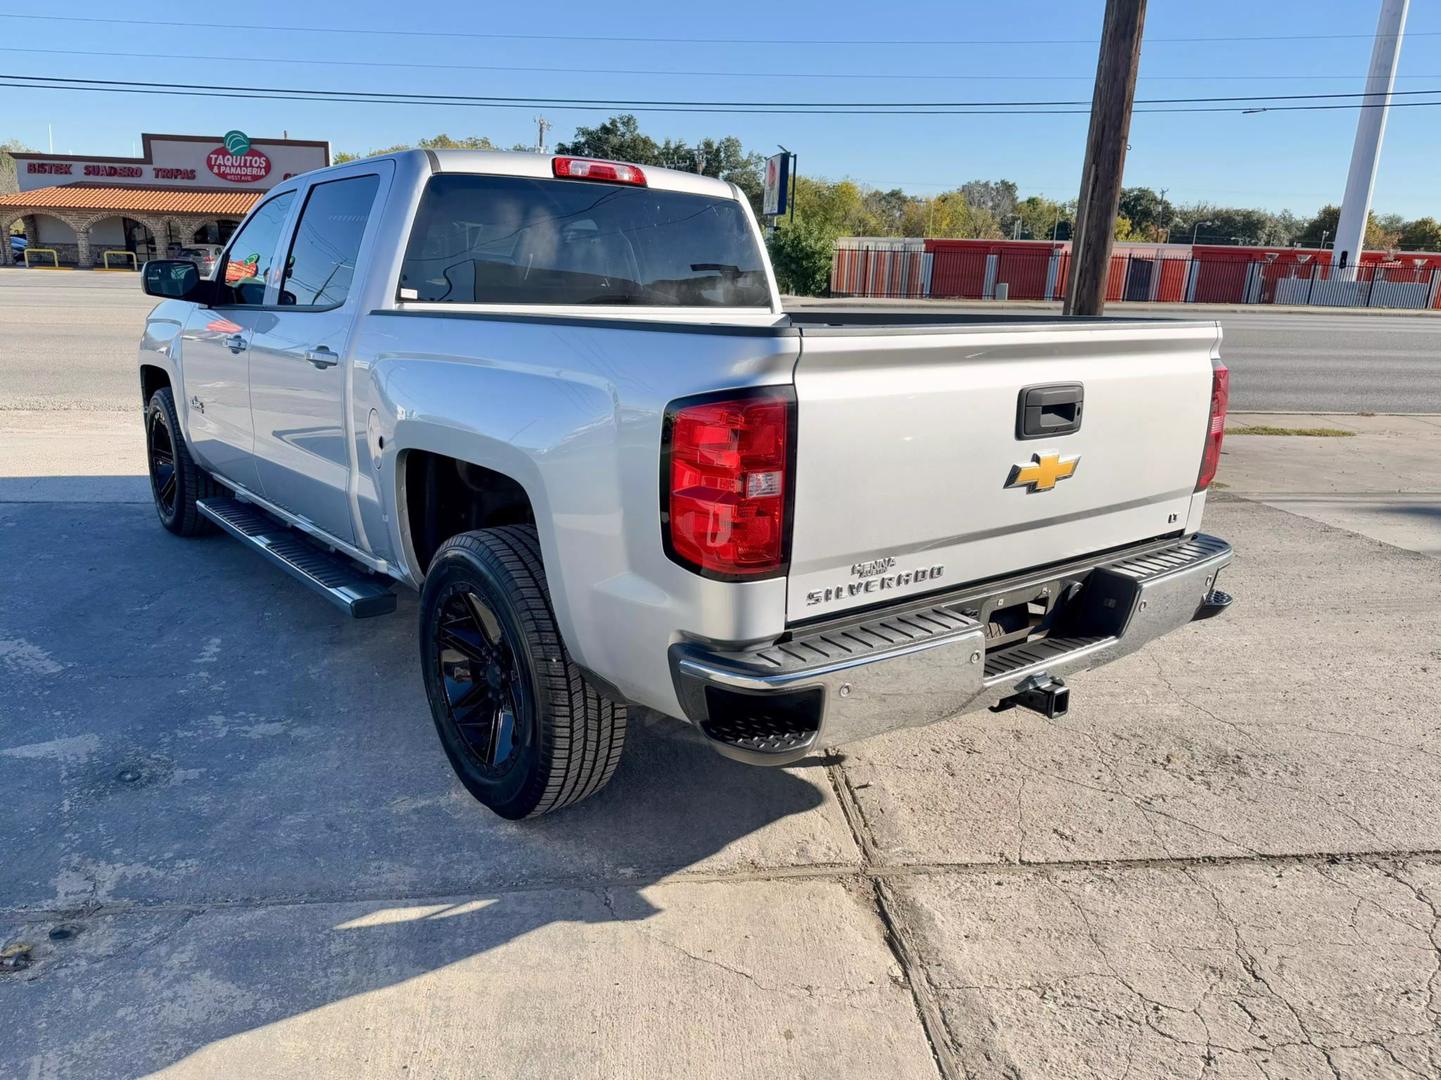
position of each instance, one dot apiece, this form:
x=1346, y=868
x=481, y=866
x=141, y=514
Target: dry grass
x=1267, y=429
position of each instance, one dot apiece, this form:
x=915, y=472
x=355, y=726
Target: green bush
x=801, y=255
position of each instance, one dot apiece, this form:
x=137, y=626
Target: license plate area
x=1078, y=605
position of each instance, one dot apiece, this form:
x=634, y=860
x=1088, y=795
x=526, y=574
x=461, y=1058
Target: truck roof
x=514, y=163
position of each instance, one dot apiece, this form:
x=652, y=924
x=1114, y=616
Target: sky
x=745, y=51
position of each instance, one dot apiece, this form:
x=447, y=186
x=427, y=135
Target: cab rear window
x=518, y=240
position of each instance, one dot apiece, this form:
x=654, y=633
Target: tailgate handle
x=1046, y=411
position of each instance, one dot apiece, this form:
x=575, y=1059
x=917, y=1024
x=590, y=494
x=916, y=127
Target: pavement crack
x=898, y=937
x=1185, y=700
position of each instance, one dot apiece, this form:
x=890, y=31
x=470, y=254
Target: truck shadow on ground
x=233, y=801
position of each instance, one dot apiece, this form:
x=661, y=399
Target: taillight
x=726, y=475
x=1220, y=398
x=589, y=169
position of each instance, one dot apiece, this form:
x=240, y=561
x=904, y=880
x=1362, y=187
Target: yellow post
x=54, y=258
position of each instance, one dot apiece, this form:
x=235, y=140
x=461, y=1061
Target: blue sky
x=1294, y=160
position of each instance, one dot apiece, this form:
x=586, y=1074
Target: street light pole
x=1370, y=129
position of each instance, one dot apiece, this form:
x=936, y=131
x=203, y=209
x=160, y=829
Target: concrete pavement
x=1384, y=481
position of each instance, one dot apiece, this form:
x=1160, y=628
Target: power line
x=1029, y=42
x=823, y=107
x=571, y=69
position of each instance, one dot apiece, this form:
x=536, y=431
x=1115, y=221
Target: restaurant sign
x=238, y=161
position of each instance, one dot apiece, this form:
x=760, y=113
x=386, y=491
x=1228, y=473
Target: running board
x=332, y=576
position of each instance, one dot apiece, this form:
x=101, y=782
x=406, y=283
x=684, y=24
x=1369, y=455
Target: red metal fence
x=986, y=270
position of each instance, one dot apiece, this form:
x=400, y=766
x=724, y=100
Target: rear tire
x=523, y=730
x=176, y=482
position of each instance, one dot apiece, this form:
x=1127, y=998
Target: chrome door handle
x=235, y=343
x=321, y=357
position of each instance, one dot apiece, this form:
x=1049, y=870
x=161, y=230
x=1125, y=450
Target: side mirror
x=173, y=279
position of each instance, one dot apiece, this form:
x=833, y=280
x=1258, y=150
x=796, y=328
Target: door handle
x=235, y=343
x=1047, y=411
x=321, y=357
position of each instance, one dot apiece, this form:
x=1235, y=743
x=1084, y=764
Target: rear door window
x=517, y=240
x=321, y=264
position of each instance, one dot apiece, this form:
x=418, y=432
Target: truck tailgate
x=908, y=471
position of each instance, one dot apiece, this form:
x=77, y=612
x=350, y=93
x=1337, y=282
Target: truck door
x=215, y=349
x=298, y=359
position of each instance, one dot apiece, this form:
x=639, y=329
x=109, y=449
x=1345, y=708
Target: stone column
x=158, y=234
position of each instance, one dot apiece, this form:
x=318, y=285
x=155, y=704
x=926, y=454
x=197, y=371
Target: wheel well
x=445, y=496
x=152, y=378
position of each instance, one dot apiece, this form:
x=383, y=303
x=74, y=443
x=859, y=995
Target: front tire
x=176, y=482
x=523, y=730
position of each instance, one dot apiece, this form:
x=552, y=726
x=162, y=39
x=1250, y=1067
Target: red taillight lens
x=727, y=481
x=590, y=169
x=1220, y=398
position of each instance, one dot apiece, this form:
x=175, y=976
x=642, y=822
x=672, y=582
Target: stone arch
x=179, y=230
x=160, y=233
x=98, y=246
x=8, y=218
x=74, y=250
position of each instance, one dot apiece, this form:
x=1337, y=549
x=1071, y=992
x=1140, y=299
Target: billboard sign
x=778, y=185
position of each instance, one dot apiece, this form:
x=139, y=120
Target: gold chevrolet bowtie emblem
x=1042, y=471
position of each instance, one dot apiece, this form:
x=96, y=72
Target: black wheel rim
x=481, y=681
x=162, y=465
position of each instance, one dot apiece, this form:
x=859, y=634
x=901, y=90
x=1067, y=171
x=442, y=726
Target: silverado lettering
x=873, y=585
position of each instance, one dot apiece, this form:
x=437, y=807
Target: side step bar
x=332, y=576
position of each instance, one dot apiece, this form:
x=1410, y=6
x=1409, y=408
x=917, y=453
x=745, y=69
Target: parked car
x=18, y=244
x=204, y=256
x=561, y=399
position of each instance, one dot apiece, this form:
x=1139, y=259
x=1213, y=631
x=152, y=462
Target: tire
x=526, y=734
x=176, y=482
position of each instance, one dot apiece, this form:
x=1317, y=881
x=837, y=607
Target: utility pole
x=542, y=126
x=1370, y=128
x=1094, y=231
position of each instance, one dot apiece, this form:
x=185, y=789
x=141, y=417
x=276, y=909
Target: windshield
x=517, y=240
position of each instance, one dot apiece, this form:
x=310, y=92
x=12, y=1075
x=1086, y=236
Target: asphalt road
x=68, y=341
x=1333, y=363
x=1313, y=361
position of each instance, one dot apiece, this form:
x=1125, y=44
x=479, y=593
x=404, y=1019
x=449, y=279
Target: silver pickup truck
x=560, y=398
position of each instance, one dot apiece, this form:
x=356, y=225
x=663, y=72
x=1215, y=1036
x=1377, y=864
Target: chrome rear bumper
x=850, y=679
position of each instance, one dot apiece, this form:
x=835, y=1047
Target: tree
x=801, y=256
x=1380, y=233
x=435, y=142
x=1043, y=219
x=996, y=197
x=617, y=139
x=1125, y=229
x=7, y=164
x=1150, y=215
x=1423, y=234
x=725, y=158
x=837, y=207
x=887, y=209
